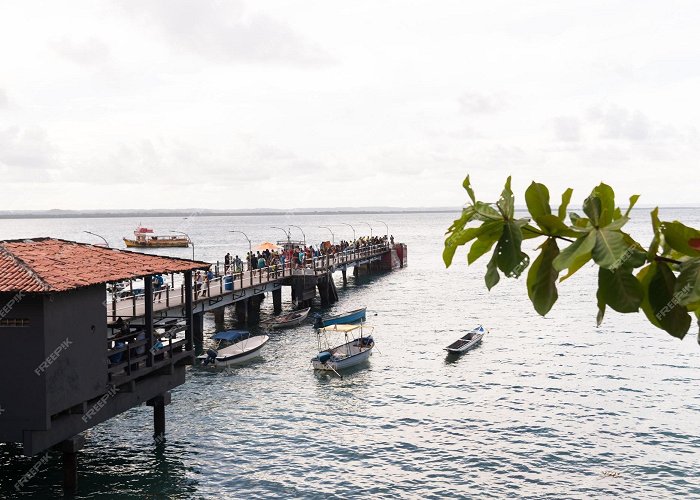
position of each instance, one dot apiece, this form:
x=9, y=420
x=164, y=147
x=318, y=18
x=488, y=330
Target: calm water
x=546, y=407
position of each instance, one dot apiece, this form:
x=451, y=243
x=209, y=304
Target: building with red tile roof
x=45, y=265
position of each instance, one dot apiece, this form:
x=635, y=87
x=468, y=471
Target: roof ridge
x=25, y=267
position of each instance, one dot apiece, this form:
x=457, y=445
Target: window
x=14, y=322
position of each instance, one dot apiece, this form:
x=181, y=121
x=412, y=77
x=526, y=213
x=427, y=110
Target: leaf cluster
x=663, y=280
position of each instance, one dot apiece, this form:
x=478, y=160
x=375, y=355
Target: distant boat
x=356, y=349
x=286, y=320
x=144, y=238
x=342, y=318
x=468, y=341
x=241, y=348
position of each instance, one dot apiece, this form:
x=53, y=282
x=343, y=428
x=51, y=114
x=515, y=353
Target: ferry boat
x=144, y=237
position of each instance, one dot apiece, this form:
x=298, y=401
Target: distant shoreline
x=91, y=214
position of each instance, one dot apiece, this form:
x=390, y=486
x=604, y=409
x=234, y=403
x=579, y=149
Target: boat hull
x=357, y=355
x=239, y=352
x=296, y=319
x=463, y=345
x=156, y=244
x=346, y=318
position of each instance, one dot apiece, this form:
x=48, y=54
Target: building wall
x=76, y=330
x=22, y=391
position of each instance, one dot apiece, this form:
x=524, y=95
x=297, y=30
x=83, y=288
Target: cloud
x=621, y=123
x=27, y=148
x=567, y=128
x=88, y=52
x=475, y=103
x=4, y=103
x=224, y=31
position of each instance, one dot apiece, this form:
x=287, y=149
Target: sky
x=322, y=103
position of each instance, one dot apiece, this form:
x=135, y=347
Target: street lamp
x=302, y=232
x=370, y=228
x=286, y=233
x=95, y=234
x=189, y=240
x=250, y=245
x=331, y=231
x=250, y=249
x=353, y=230
x=385, y=225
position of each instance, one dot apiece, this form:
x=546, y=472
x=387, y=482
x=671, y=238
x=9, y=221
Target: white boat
x=287, y=320
x=468, y=341
x=356, y=349
x=242, y=347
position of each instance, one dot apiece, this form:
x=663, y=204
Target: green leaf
x=580, y=222
x=688, y=282
x=486, y=212
x=656, y=226
x=467, y=215
x=592, y=207
x=601, y=309
x=577, y=264
x=607, y=199
x=492, y=278
x=574, y=252
x=610, y=250
x=491, y=232
x=537, y=200
x=633, y=202
x=467, y=185
x=551, y=225
x=620, y=290
x=542, y=278
x=506, y=203
x=457, y=239
x=680, y=237
x=511, y=260
x=617, y=223
x=644, y=276
x=565, y=199
x=670, y=314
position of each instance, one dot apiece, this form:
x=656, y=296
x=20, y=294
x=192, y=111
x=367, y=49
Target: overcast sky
x=232, y=104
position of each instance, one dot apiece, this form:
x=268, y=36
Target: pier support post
x=241, y=307
x=219, y=317
x=345, y=277
x=254, y=309
x=159, y=403
x=322, y=285
x=277, y=300
x=198, y=330
x=332, y=290
x=70, y=448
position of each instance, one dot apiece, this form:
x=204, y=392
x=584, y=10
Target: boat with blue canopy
x=345, y=318
x=356, y=349
x=233, y=347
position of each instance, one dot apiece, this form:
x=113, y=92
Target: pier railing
x=172, y=294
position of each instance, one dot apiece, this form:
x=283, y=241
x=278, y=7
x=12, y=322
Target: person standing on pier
x=227, y=262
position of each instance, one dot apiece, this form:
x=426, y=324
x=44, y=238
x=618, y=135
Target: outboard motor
x=324, y=356
x=318, y=321
x=211, y=356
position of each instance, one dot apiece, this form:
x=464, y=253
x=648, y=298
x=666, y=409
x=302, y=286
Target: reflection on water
x=543, y=407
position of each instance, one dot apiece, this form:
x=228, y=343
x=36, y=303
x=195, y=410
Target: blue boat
x=340, y=319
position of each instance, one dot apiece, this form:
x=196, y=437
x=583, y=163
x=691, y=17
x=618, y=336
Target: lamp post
x=353, y=230
x=189, y=240
x=331, y=231
x=250, y=250
x=302, y=232
x=286, y=233
x=250, y=245
x=95, y=234
x=370, y=228
x=385, y=225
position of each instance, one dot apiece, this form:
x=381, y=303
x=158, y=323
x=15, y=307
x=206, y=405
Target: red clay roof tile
x=53, y=265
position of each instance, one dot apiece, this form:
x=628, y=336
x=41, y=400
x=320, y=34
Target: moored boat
x=356, y=349
x=468, y=341
x=240, y=347
x=289, y=320
x=145, y=238
x=342, y=318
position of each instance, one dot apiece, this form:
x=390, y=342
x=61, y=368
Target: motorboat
x=356, y=349
x=468, y=341
x=287, y=320
x=343, y=318
x=144, y=237
x=238, y=347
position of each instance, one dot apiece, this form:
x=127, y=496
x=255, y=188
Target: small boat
x=468, y=341
x=144, y=238
x=356, y=349
x=240, y=347
x=342, y=318
x=286, y=320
